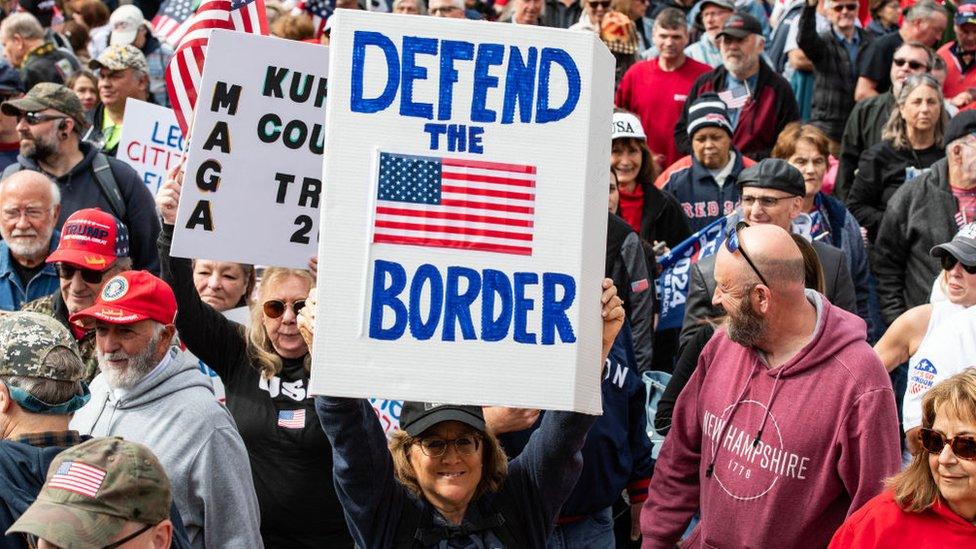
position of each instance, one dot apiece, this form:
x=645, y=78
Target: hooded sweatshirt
x=827, y=433
x=173, y=411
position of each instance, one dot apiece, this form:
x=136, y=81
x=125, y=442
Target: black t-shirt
x=26, y=274
x=875, y=63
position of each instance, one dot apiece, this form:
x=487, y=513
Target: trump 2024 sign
x=464, y=213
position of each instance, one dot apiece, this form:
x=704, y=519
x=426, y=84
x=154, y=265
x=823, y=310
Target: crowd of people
x=819, y=389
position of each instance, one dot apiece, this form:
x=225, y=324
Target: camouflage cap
x=120, y=57
x=47, y=95
x=93, y=489
x=25, y=341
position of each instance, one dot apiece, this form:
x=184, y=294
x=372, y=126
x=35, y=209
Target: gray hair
x=421, y=5
x=66, y=364
x=35, y=176
x=925, y=9
x=22, y=24
x=896, y=130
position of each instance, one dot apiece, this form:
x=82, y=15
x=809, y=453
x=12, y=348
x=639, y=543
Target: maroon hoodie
x=828, y=436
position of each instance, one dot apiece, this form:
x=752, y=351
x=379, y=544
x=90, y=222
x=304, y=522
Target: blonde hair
x=914, y=488
x=494, y=463
x=259, y=347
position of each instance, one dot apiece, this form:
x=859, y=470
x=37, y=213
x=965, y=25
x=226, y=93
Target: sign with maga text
x=151, y=141
x=254, y=167
x=464, y=214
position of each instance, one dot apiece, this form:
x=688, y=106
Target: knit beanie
x=708, y=110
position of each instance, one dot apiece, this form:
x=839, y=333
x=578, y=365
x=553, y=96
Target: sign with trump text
x=464, y=213
x=253, y=176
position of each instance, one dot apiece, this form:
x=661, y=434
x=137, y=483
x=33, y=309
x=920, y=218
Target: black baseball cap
x=417, y=417
x=773, y=173
x=962, y=246
x=961, y=125
x=740, y=25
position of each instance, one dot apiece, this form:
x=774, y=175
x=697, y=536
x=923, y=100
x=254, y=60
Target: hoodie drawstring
x=718, y=442
x=769, y=403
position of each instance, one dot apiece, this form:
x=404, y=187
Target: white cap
x=124, y=24
x=626, y=124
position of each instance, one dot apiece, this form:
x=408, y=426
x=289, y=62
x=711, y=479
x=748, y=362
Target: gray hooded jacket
x=173, y=411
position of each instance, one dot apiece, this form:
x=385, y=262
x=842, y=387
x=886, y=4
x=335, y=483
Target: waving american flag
x=170, y=23
x=318, y=10
x=184, y=71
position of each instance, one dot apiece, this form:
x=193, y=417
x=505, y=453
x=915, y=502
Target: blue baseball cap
x=10, y=81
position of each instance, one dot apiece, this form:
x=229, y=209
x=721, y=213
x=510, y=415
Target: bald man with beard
x=788, y=424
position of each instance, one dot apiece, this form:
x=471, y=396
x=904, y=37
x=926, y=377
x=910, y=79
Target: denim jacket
x=12, y=292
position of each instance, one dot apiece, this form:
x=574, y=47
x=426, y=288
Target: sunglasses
x=842, y=7
x=963, y=446
x=914, y=65
x=274, y=308
x=604, y=5
x=733, y=245
x=67, y=271
x=33, y=541
x=34, y=118
x=949, y=263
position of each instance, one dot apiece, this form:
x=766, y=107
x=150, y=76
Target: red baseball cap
x=130, y=297
x=91, y=239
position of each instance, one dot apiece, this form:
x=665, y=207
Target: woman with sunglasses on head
x=910, y=143
x=264, y=367
x=932, y=503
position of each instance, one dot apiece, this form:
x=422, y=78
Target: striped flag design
x=455, y=203
x=291, y=419
x=78, y=477
x=735, y=99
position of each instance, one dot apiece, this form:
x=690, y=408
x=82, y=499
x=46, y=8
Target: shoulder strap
x=11, y=169
x=106, y=182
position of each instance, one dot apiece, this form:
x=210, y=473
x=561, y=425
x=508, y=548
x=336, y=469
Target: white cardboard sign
x=254, y=166
x=464, y=213
x=151, y=141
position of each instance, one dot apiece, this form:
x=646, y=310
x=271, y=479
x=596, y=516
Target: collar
x=748, y=82
x=476, y=521
x=7, y=259
x=855, y=38
x=43, y=49
x=50, y=438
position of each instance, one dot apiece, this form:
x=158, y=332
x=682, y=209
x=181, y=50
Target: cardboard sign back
x=465, y=213
x=254, y=167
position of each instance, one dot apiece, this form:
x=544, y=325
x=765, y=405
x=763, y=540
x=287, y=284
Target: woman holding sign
x=445, y=481
x=264, y=369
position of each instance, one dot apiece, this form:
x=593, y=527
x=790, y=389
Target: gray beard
x=746, y=328
x=138, y=367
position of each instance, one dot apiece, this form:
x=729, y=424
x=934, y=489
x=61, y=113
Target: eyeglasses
x=963, y=446
x=275, y=308
x=602, y=4
x=32, y=213
x=437, y=447
x=764, y=201
x=949, y=263
x=912, y=64
x=34, y=118
x=67, y=272
x=733, y=245
x=842, y=7
x=32, y=540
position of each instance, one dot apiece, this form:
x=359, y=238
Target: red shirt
x=956, y=81
x=631, y=207
x=881, y=523
x=657, y=97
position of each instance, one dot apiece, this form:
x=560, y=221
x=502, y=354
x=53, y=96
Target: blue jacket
x=617, y=453
x=701, y=199
x=375, y=504
x=12, y=292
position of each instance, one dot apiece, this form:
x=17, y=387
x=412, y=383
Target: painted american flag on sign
x=291, y=419
x=78, y=477
x=454, y=203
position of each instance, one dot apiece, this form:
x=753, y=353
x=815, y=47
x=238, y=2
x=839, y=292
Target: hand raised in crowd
x=306, y=319
x=500, y=419
x=613, y=316
x=168, y=195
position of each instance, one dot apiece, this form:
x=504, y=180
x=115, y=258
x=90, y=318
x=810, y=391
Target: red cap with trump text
x=91, y=239
x=130, y=297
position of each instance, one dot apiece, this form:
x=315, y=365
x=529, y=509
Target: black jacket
x=919, y=216
x=662, y=218
x=837, y=275
x=47, y=63
x=632, y=268
x=862, y=131
x=79, y=190
x=834, y=77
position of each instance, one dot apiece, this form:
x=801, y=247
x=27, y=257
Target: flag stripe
x=485, y=192
x=504, y=207
x=449, y=215
x=390, y=239
x=452, y=229
x=488, y=179
x=460, y=162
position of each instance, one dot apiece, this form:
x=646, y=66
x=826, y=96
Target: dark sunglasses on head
x=274, y=308
x=963, y=446
x=841, y=7
x=949, y=263
x=912, y=64
x=733, y=245
x=67, y=271
x=34, y=118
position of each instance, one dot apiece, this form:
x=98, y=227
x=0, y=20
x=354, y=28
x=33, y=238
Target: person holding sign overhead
x=445, y=482
x=264, y=368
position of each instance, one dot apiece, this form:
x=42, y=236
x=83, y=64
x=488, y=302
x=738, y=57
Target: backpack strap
x=106, y=182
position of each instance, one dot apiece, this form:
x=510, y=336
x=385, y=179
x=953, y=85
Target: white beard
x=138, y=366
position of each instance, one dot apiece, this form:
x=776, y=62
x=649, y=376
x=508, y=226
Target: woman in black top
x=910, y=143
x=265, y=370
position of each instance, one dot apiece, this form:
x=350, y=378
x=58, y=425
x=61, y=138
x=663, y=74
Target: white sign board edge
x=151, y=141
x=340, y=365
x=250, y=226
